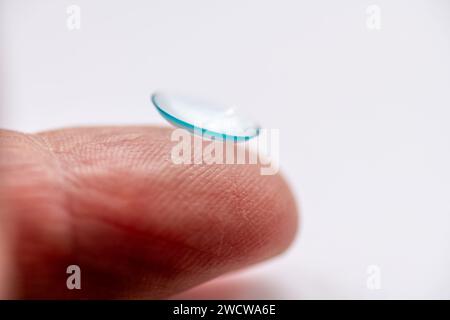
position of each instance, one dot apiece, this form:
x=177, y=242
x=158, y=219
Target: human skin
x=110, y=200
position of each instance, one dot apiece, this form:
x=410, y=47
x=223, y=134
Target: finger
x=111, y=201
x=5, y=258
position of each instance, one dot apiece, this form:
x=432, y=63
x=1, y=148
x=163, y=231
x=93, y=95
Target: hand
x=111, y=201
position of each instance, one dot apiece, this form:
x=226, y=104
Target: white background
x=364, y=116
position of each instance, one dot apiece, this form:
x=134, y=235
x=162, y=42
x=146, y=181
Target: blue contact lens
x=206, y=118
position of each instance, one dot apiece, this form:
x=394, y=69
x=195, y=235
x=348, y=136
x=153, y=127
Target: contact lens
x=205, y=118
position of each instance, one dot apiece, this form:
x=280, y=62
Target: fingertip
x=175, y=224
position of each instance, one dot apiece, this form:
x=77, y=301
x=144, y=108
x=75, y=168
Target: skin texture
x=110, y=200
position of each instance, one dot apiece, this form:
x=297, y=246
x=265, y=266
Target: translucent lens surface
x=203, y=117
